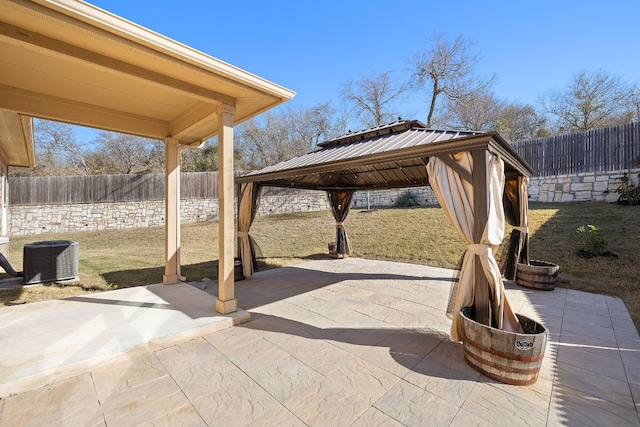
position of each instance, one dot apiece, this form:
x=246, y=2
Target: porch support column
x=226, y=302
x=172, y=207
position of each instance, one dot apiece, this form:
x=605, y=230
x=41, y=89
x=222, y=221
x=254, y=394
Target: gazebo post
x=480, y=213
x=523, y=184
x=226, y=302
x=172, y=206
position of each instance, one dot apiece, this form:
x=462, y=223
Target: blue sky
x=313, y=47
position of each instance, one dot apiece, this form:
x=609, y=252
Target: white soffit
x=16, y=139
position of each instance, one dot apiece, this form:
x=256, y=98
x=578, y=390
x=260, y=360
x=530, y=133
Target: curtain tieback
x=243, y=234
x=524, y=229
x=339, y=223
x=479, y=249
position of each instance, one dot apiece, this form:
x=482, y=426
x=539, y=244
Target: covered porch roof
x=388, y=156
x=69, y=61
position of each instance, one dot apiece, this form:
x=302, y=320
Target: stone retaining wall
x=293, y=201
x=597, y=186
x=31, y=220
x=424, y=196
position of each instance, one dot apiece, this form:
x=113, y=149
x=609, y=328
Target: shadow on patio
x=407, y=347
x=272, y=285
x=336, y=342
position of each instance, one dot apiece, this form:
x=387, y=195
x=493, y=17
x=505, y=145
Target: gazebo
x=478, y=179
x=69, y=61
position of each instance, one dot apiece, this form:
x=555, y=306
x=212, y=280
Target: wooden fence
x=606, y=149
x=57, y=190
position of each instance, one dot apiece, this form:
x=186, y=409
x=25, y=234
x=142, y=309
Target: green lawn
x=122, y=258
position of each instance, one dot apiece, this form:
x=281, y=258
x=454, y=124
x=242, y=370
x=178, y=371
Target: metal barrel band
x=503, y=354
x=502, y=367
x=502, y=379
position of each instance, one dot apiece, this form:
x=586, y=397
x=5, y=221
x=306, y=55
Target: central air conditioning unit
x=50, y=261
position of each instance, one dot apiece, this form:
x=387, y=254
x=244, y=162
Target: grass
x=123, y=258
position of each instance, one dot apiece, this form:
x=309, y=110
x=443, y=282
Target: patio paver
x=330, y=342
x=51, y=340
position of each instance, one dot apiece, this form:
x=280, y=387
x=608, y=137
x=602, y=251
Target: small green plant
x=592, y=238
x=628, y=190
x=406, y=200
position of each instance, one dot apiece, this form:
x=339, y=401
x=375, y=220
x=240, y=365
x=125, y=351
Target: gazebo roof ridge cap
x=399, y=125
x=439, y=129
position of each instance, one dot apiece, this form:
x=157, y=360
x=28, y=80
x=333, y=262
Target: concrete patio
x=348, y=342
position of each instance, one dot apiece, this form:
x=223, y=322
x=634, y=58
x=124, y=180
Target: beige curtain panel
x=516, y=209
x=455, y=195
x=523, y=186
x=340, y=202
x=247, y=208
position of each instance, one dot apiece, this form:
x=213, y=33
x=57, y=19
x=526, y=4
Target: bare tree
x=323, y=122
x=118, y=153
x=634, y=103
x=590, y=100
x=481, y=111
x=446, y=69
x=57, y=149
x=476, y=111
x=157, y=156
x=267, y=141
x=282, y=134
x=372, y=98
x=518, y=122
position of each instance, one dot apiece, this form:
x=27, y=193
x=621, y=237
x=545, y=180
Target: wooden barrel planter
x=538, y=275
x=508, y=357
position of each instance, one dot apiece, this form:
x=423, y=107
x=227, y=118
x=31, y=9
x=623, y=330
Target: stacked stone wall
x=293, y=201
x=423, y=195
x=33, y=220
x=597, y=186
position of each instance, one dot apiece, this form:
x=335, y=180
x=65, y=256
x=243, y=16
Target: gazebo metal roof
x=389, y=156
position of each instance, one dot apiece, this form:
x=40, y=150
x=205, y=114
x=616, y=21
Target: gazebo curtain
x=455, y=195
x=516, y=208
x=340, y=204
x=248, y=196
